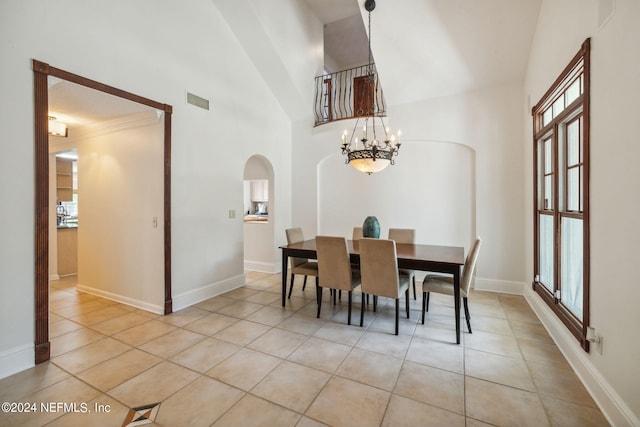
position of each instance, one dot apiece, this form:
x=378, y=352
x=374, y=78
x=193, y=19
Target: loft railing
x=348, y=94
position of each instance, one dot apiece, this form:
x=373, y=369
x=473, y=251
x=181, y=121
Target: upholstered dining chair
x=380, y=275
x=405, y=235
x=301, y=266
x=335, y=269
x=357, y=233
x=444, y=284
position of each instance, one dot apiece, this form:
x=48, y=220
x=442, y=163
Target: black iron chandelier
x=368, y=153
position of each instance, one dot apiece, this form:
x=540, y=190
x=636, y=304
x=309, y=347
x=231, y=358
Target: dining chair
x=301, y=266
x=335, y=269
x=444, y=284
x=357, y=233
x=380, y=275
x=405, y=235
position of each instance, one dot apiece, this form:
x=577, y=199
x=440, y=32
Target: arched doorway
x=258, y=205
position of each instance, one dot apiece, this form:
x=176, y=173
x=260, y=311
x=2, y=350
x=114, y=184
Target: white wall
x=120, y=252
x=476, y=135
x=614, y=228
x=160, y=50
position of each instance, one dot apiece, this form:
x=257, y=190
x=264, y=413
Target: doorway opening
x=42, y=72
x=259, y=238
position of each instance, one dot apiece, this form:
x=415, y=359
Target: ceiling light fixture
x=369, y=154
x=57, y=128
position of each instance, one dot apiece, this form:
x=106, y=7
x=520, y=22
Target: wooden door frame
x=41, y=71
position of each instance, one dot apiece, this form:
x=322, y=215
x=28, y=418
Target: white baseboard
x=502, y=286
x=608, y=400
x=143, y=305
x=54, y=277
x=262, y=267
x=195, y=296
x=16, y=359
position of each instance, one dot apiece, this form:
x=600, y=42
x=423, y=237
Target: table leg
x=456, y=297
x=285, y=263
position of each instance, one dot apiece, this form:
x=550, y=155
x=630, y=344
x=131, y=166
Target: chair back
x=294, y=235
x=334, y=266
x=379, y=267
x=357, y=233
x=470, y=265
x=402, y=235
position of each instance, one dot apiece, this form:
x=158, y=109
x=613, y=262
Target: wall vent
x=197, y=101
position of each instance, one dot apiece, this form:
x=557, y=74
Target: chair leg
x=362, y=309
x=304, y=283
x=319, y=296
x=406, y=301
x=349, y=310
x=427, y=308
x=466, y=313
x=397, y=314
x=291, y=285
x=414, y=288
x=335, y=293
x=424, y=304
x=375, y=303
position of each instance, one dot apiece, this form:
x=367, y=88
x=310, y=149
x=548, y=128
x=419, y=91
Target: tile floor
x=240, y=359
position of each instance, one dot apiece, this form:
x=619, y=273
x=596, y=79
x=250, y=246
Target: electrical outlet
x=154, y=222
x=232, y=214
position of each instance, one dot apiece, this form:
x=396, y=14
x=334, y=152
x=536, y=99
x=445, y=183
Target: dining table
x=432, y=258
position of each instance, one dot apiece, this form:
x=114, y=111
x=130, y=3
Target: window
x=561, y=194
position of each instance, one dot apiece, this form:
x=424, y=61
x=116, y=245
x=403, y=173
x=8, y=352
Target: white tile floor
x=240, y=359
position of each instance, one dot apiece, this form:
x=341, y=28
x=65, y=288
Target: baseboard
x=158, y=309
x=610, y=403
x=262, y=267
x=54, y=277
x=16, y=359
x=195, y=296
x=502, y=286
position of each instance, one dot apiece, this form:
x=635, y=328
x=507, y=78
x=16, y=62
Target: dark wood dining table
x=438, y=259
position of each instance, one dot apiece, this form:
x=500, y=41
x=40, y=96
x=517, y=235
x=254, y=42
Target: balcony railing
x=348, y=94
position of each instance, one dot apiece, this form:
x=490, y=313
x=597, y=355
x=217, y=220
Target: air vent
x=197, y=101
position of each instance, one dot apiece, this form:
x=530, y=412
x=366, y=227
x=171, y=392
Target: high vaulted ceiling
x=430, y=48
x=422, y=48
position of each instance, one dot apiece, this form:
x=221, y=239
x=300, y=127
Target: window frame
x=555, y=130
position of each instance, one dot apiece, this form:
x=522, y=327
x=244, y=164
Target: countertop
x=256, y=218
x=67, y=225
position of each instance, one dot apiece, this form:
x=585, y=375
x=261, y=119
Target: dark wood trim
x=586, y=240
x=41, y=71
x=41, y=136
x=168, y=301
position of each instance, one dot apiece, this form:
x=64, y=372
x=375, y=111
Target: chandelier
x=373, y=149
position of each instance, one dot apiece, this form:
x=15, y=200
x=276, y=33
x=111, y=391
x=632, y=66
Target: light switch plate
x=232, y=214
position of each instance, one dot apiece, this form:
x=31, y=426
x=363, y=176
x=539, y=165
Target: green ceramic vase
x=371, y=227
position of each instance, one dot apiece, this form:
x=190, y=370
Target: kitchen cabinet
x=67, y=251
x=259, y=190
x=64, y=180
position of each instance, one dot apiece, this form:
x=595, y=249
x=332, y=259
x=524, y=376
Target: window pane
x=573, y=142
x=548, y=192
x=571, y=265
x=548, y=159
x=573, y=189
x=546, y=251
x=581, y=189
x=573, y=92
x=547, y=116
x=558, y=106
